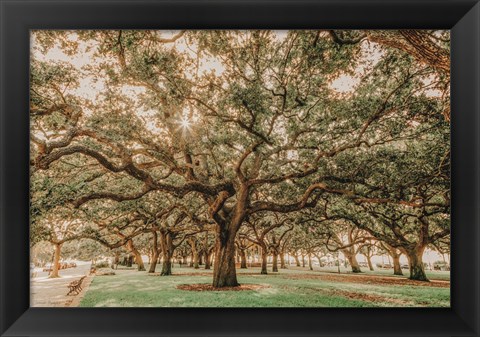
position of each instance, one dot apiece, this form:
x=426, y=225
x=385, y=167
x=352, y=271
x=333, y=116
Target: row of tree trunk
x=165, y=254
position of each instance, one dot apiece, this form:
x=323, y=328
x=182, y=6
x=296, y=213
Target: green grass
x=285, y=289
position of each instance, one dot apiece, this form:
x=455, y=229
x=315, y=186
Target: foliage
x=200, y=131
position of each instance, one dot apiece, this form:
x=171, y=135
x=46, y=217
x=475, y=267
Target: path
x=47, y=292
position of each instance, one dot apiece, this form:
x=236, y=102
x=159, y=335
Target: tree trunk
x=243, y=259
x=167, y=253
x=264, y=261
x=393, y=252
x=195, y=259
x=282, y=261
x=415, y=261
x=303, y=261
x=397, y=268
x=297, y=261
x=138, y=256
x=56, y=260
x=139, y=262
x=319, y=259
x=196, y=263
x=369, y=261
x=191, y=260
x=153, y=263
x=155, y=253
x=310, y=262
x=166, y=265
x=207, y=260
x=352, y=259
x=275, y=262
x=224, y=273
x=167, y=261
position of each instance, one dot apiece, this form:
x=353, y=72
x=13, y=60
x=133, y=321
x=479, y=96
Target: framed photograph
x=239, y=168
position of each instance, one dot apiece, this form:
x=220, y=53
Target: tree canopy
x=137, y=132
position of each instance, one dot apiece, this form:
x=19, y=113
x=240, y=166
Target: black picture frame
x=17, y=17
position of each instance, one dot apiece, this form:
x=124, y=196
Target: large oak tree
x=246, y=122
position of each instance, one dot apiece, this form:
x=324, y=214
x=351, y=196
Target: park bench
x=76, y=286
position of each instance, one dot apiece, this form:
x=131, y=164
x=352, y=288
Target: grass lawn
x=294, y=287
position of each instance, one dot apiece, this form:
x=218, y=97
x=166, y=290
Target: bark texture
x=224, y=273
x=415, y=261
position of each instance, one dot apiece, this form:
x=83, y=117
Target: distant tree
x=85, y=250
x=262, y=233
x=395, y=254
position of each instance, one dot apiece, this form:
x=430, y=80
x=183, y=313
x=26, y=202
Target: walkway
x=46, y=292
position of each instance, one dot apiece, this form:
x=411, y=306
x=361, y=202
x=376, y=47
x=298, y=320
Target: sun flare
x=185, y=123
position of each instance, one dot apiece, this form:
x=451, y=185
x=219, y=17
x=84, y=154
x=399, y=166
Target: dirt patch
x=371, y=298
x=378, y=299
x=371, y=279
x=191, y=274
x=211, y=274
x=209, y=287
